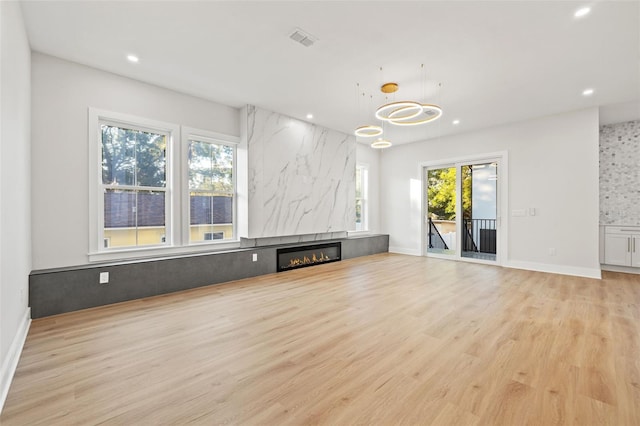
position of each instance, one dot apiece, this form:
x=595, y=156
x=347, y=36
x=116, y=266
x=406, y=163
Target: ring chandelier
x=380, y=143
x=432, y=112
x=400, y=113
x=368, y=131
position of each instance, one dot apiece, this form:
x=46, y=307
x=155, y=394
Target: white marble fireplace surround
x=301, y=179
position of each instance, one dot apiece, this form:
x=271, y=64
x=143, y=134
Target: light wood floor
x=385, y=339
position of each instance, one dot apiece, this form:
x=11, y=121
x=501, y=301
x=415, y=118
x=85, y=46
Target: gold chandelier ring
x=402, y=121
x=402, y=110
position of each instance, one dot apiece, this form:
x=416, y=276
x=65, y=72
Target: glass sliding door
x=441, y=210
x=479, y=202
x=461, y=210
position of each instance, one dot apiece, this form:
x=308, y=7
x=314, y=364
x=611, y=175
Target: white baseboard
x=13, y=356
x=555, y=269
x=404, y=250
x=529, y=266
x=625, y=269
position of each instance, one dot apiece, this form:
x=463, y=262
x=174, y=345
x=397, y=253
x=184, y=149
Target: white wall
x=619, y=113
x=371, y=157
x=15, y=224
x=553, y=167
x=62, y=93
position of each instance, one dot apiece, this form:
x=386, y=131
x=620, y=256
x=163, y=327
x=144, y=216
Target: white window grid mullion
x=135, y=188
x=135, y=127
x=135, y=217
x=215, y=193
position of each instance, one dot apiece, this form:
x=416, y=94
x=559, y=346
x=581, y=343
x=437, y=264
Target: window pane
x=210, y=167
x=211, y=216
x=132, y=157
x=479, y=203
x=441, y=210
x=118, y=156
x=119, y=209
x=150, y=159
x=199, y=165
x=150, y=210
x=358, y=182
x=134, y=218
x=361, y=198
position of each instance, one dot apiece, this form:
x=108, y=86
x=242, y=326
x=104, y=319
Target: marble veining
x=301, y=176
x=620, y=173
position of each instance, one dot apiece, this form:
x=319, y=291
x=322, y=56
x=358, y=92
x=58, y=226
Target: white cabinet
x=635, y=258
x=622, y=246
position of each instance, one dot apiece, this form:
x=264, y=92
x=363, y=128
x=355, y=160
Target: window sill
x=151, y=252
x=358, y=233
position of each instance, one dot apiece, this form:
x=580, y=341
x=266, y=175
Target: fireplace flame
x=305, y=260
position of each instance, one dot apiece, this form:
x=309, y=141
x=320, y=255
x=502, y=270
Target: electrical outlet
x=255, y=257
x=104, y=277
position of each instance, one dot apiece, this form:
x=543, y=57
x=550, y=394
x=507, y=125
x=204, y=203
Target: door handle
x=634, y=244
x=629, y=244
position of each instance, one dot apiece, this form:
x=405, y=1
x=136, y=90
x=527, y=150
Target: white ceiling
x=498, y=62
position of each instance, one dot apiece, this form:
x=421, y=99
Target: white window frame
x=97, y=117
x=177, y=224
x=365, y=196
x=199, y=135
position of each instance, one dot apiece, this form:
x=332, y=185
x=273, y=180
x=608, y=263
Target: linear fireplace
x=302, y=256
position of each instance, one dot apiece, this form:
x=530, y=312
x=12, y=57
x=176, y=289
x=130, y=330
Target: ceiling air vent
x=302, y=37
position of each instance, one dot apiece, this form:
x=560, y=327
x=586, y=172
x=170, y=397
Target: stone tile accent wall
x=620, y=173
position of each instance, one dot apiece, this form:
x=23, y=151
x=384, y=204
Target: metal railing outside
x=479, y=235
x=435, y=239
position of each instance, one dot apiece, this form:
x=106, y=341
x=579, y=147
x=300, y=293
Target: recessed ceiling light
x=582, y=12
x=455, y=122
x=133, y=58
x=309, y=116
x=587, y=92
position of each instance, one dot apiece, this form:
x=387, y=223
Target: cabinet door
x=635, y=251
x=617, y=249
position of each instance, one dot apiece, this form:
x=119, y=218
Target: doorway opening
x=462, y=210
